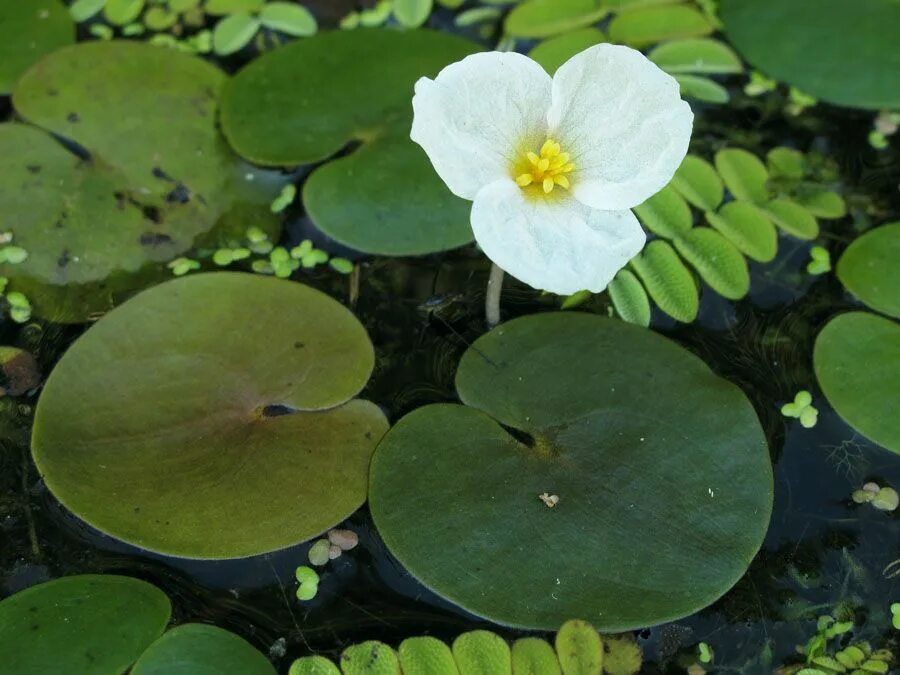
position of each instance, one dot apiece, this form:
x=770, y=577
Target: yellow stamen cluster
x=547, y=169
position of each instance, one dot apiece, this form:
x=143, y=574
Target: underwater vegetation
x=449, y=337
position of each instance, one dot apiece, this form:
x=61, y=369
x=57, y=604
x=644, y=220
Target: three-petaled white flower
x=553, y=165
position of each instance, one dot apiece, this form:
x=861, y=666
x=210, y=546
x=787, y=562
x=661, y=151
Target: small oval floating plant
x=163, y=428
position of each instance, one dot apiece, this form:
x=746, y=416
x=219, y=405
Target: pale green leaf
x=744, y=174
x=543, y=18
x=234, y=32
x=792, y=218
x=412, y=13
x=697, y=181
x=655, y=24
x=286, y=17
x=667, y=280
x=718, y=262
x=698, y=55
x=702, y=89
x=665, y=213
x=747, y=227
x=629, y=298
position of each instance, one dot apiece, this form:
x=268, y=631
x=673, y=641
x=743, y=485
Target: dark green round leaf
x=543, y=18
x=156, y=425
x=668, y=281
x=660, y=468
x=840, y=52
x=869, y=269
x=199, y=649
x=717, y=261
x=552, y=53
x=857, y=363
x=747, y=227
x=28, y=30
x=644, y=27
x=306, y=101
x=159, y=181
x=80, y=625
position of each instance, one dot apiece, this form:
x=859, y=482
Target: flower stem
x=492, y=297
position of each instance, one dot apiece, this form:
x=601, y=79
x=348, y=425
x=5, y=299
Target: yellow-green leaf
x=426, y=656
x=533, y=656
x=665, y=213
x=579, y=648
x=696, y=55
x=369, y=658
x=667, y=280
x=121, y=12
x=718, y=262
x=552, y=53
x=629, y=298
x=697, y=181
x=786, y=163
x=744, y=174
x=823, y=203
x=747, y=227
x=412, y=13
x=233, y=32
x=288, y=18
x=655, y=24
x=701, y=88
x=480, y=652
x=543, y=18
x=313, y=665
x=793, y=218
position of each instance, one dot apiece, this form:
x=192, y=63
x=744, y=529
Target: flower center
x=547, y=170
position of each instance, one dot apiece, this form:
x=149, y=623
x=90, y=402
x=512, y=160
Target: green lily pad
x=160, y=429
x=576, y=406
x=857, y=363
x=869, y=269
x=644, y=27
x=28, y=30
x=159, y=180
x=698, y=55
x=199, y=649
x=668, y=281
x=86, y=625
x=543, y=18
x=552, y=53
x=306, y=101
x=747, y=227
x=838, y=52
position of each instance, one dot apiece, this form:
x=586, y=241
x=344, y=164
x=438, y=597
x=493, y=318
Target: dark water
x=822, y=553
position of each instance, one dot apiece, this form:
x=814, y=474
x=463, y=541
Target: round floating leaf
x=698, y=182
x=369, y=658
x=786, y=163
x=591, y=404
x=747, y=227
x=629, y=298
x=838, y=52
x=703, y=55
x=225, y=7
x=543, y=18
x=665, y=213
x=702, y=89
x=199, y=649
x=234, y=32
x=655, y=24
x=288, y=18
x=744, y=174
x=552, y=53
x=869, y=269
x=160, y=179
x=533, y=656
x=28, y=30
x=823, y=203
x=667, y=280
x=480, y=651
x=384, y=197
x=162, y=430
x=717, y=260
x=121, y=12
x=426, y=656
x=313, y=665
x=82, y=10
x=86, y=625
x=579, y=648
x=792, y=218
x=857, y=363
x=412, y=13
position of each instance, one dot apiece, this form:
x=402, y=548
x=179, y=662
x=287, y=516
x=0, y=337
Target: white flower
x=553, y=165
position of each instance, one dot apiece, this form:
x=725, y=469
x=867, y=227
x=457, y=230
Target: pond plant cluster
x=470, y=337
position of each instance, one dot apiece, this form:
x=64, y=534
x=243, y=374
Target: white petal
x=557, y=243
x=623, y=122
x=478, y=114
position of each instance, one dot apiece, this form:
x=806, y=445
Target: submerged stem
x=492, y=297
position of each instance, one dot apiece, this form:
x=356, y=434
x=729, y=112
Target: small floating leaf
x=201, y=649
x=869, y=269
x=698, y=182
x=629, y=298
x=412, y=13
x=668, y=281
x=656, y=24
x=234, y=32
x=823, y=203
x=121, y=12
x=786, y=163
x=370, y=658
x=533, y=656
x=479, y=651
x=543, y=18
x=288, y=18
x=313, y=665
x=579, y=649
x=747, y=227
x=717, y=260
x=792, y=218
x=744, y=174
x=665, y=213
x=702, y=55
x=702, y=88
x=82, y=10
x=621, y=655
x=426, y=656
x=552, y=53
